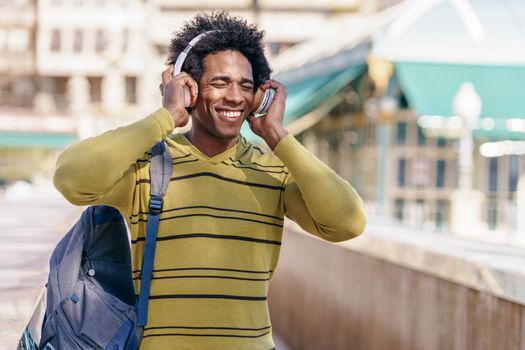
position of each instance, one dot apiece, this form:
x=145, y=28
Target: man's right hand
x=173, y=95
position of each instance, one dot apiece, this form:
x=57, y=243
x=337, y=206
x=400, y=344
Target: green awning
x=305, y=96
x=430, y=89
x=35, y=140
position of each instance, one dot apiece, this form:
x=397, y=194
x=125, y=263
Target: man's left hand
x=270, y=127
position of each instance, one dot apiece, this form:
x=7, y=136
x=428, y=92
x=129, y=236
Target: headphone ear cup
x=262, y=101
x=259, y=96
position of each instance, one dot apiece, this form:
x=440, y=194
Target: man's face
x=225, y=96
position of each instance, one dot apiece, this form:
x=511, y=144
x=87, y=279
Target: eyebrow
x=227, y=78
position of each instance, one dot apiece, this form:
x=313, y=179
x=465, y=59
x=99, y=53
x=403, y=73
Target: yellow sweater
x=220, y=228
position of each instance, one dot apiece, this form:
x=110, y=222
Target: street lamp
x=466, y=202
x=467, y=106
x=384, y=108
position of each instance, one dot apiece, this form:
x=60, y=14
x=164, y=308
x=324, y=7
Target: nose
x=234, y=94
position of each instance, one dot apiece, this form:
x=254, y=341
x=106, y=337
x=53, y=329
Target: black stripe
x=186, y=161
x=212, y=208
x=181, y=157
x=206, y=268
x=201, y=276
x=251, y=168
x=260, y=165
x=211, y=216
x=184, y=156
x=208, y=235
x=227, y=179
x=256, y=148
x=205, y=335
x=239, y=182
x=207, y=296
x=225, y=328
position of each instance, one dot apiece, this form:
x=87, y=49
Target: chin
x=229, y=134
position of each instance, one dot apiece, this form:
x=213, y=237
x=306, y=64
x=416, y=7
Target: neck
x=210, y=146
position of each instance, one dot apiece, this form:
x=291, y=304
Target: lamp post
x=384, y=108
x=466, y=202
x=467, y=106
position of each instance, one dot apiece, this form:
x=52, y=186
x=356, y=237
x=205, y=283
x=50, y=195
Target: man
x=221, y=222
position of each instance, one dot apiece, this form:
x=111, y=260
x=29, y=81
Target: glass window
x=421, y=138
x=131, y=90
x=492, y=215
x=441, y=142
x=78, y=41
x=399, y=208
x=55, y=40
x=513, y=172
x=401, y=133
x=419, y=213
x=440, y=173
x=420, y=172
x=95, y=89
x=401, y=172
x=493, y=174
x=441, y=209
x=100, y=41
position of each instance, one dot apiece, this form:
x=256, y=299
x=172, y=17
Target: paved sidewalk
x=29, y=229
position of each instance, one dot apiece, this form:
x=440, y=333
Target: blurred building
x=390, y=126
x=97, y=63
x=17, y=47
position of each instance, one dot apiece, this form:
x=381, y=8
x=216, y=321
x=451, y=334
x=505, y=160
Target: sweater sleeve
x=318, y=199
x=100, y=170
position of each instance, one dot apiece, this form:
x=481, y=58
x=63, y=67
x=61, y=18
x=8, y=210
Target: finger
x=166, y=75
x=255, y=125
x=275, y=85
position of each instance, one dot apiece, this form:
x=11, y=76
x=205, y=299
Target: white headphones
x=262, y=100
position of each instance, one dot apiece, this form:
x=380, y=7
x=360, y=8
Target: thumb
x=255, y=125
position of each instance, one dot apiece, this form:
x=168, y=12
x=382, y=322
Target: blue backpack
x=91, y=302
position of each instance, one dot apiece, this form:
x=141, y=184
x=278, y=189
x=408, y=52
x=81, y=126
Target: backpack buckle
x=155, y=205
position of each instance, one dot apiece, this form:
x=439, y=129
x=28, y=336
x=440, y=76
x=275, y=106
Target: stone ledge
x=490, y=268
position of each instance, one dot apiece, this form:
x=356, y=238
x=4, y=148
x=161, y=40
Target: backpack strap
x=160, y=175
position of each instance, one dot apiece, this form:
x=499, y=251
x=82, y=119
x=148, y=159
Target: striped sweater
x=220, y=227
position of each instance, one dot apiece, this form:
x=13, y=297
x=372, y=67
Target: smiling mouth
x=230, y=115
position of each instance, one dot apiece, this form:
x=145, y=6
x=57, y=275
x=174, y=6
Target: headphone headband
x=182, y=57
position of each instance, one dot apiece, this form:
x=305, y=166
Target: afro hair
x=233, y=33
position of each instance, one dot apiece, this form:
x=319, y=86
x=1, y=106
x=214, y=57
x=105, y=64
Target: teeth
x=230, y=114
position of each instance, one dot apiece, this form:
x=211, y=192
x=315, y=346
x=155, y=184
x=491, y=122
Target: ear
x=190, y=98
